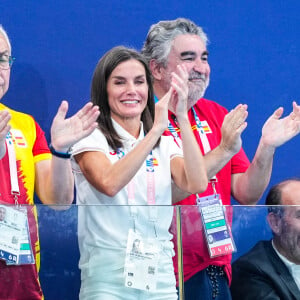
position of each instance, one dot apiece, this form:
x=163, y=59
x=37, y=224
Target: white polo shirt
x=104, y=222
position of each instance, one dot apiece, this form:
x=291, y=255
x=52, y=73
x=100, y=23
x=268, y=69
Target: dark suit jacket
x=261, y=275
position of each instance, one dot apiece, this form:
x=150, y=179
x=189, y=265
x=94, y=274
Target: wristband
x=59, y=154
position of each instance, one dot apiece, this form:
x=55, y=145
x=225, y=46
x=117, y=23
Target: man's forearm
x=249, y=186
x=215, y=160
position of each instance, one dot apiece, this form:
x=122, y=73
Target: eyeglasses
x=6, y=62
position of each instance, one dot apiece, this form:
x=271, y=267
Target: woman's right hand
x=161, y=113
x=175, y=100
x=179, y=99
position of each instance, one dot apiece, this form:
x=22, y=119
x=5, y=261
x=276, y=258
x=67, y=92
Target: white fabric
x=15, y=190
x=103, y=225
x=293, y=268
x=109, y=286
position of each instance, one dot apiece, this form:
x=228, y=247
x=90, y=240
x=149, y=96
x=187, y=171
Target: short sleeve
x=239, y=162
x=40, y=150
x=96, y=141
x=173, y=147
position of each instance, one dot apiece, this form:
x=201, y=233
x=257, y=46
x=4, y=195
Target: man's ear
x=274, y=221
x=156, y=69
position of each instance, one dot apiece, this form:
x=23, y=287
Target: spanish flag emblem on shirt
x=18, y=138
x=155, y=162
x=205, y=127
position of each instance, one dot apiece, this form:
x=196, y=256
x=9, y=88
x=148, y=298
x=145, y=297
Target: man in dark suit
x=271, y=269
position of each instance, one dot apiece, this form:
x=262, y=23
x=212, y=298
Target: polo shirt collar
x=128, y=140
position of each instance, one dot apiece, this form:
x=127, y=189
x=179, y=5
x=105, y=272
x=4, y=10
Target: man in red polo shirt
x=218, y=133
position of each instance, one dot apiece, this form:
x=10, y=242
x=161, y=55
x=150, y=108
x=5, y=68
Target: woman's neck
x=131, y=125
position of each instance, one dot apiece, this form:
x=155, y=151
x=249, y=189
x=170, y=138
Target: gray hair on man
x=4, y=34
x=161, y=35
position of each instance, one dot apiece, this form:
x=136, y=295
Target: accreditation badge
x=141, y=262
x=217, y=230
x=15, y=246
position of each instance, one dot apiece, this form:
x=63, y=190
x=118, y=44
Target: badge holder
x=141, y=262
x=15, y=247
x=217, y=230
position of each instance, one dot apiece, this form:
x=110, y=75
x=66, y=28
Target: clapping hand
x=179, y=85
x=233, y=125
x=67, y=131
x=277, y=131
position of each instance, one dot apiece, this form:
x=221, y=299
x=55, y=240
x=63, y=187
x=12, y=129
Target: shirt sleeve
x=174, y=149
x=40, y=150
x=239, y=162
x=96, y=141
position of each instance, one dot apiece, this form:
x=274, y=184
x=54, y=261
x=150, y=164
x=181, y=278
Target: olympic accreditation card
x=217, y=230
x=14, y=236
x=141, y=262
x=26, y=254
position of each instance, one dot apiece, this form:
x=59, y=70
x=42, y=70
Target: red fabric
x=195, y=252
x=21, y=282
x=40, y=144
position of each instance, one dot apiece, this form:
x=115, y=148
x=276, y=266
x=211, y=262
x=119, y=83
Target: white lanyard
x=15, y=191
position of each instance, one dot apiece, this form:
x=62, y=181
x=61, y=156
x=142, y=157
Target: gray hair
x=3, y=32
x=161, y=35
